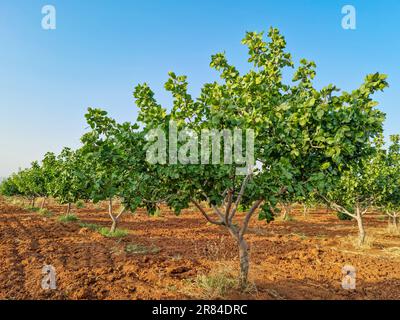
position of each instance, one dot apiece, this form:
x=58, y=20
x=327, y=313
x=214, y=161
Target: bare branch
x=248, y=216
x=203, y=212
x=342, y=209
x=337, y=207
x=216, y=210
x=240, y=195
x=121, y=212
x=228, y=207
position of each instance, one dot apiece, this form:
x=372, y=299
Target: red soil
x=300, y=259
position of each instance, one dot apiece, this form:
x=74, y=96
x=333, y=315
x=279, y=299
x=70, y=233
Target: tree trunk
x=69, y=208
x=43, y=203
x=395, y=222
x=114, y=224
x=288, y=211
x=33, y=202
x=244, y=263
x=114, y=219
x=305, y=210
x=243, y=256
x=361, y=230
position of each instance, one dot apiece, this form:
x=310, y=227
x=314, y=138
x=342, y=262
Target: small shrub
x=68, y=218
x=118, y=233
x=90, y=226
x=80, y=204
x=218, y=283
x=32, y=209
x=157, y=213
x=44, y=212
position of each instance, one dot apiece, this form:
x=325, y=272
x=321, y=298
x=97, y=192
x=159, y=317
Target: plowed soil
x=299, y=259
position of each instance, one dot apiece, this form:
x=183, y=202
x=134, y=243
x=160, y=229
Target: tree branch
x=240, y=195
x=228, y=207
x=216, y=210
x=338, y=208
x=121, y=212
x=248, y=216
x=203, y=212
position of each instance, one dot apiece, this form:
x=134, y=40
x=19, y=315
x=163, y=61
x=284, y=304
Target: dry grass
x=392, y=230
x=353, y=241
x=135, y=248
x=217, y=284
x=216, y=250
x=394, y=251
x=214, y=285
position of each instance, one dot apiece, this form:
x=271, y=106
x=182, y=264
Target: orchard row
x=310, y=145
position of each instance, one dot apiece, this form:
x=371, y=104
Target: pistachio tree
x=101, y=156
x=390, y=197
x=360, y=187
x=70, y=181
x=9, y=186
x=49, y=174
x=303, y=137
x=115, y=158
x=30, y=183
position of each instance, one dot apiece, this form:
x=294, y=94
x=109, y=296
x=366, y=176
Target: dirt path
x=299, y=259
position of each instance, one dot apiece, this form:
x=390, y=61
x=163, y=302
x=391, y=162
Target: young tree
x=390, y=200
x=9, y=186
x=30, y=183
x=360, y=187
x=70, y=181
x=116, y=158
x=49, y=172
x=304, y=137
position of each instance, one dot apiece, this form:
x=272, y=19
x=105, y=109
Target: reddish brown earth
x=300, y=259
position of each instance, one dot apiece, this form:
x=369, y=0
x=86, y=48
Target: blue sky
x=102, y=49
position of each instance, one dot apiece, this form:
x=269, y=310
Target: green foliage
x=33, y=209
x=91, y=226
x=390, y=181
x=304, y=137
x=9, y=187
x=45, y=213
x=343, y=216
x=374, y=180
x=68, y=218
x=118, y=233
x=71, y=181
x=80, y=204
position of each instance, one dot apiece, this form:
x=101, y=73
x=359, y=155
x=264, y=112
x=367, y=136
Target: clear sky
x=101, y=49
